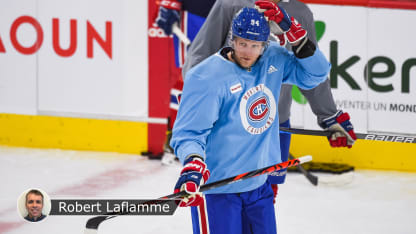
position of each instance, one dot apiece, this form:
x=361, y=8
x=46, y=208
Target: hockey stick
x=331, y=180
x=92, y=224
x=313, y=179
x=363, y=136
x=177, y=31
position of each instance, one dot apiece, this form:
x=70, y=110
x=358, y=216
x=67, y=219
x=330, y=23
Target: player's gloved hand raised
x=274, y=13
x=281, y=24
x=296, y=32
x=168, y=15
x=343, y=132
x=193, y=174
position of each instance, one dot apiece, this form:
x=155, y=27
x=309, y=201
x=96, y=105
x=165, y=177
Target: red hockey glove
x=281, y=24
x=193, y=174
x=343, y=132
x=296, y=32
x=275, y=189
x=274, y=13
x=168, y=15
x=281, y=39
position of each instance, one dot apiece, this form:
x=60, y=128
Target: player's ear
x=265, y=45
x=233, y=41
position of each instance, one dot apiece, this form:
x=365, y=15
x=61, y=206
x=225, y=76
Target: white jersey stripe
x=203, y=217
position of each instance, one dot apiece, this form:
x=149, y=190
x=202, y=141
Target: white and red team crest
x=257, y=109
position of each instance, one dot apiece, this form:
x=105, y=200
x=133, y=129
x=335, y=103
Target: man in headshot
x=34, y=205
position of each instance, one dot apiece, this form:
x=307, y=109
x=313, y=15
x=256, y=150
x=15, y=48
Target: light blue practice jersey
x=228, y=114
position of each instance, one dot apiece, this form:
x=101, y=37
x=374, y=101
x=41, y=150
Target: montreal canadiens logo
x=257, y=109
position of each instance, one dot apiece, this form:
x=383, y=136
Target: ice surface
x=378, y=202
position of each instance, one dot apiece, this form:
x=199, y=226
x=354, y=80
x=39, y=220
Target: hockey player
x=214, y=34
x=228, y=119
x=189, y=15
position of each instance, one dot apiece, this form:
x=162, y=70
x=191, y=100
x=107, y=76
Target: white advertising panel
x=74, y=58
x=105, y=72
x=392, y=79
x=17, y=62
x=373, y=67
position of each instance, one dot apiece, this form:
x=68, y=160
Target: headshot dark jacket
x=42, y=216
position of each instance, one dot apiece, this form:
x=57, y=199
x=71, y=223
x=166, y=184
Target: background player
x=189, y=15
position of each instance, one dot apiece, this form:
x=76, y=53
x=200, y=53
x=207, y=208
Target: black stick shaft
x=363, y=136
x=312, y=178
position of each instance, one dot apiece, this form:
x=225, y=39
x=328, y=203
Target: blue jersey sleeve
x=198, y=111
x=306, y=73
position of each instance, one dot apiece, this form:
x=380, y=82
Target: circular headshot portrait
x=34, y=205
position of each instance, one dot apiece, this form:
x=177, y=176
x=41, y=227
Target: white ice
x=379, y=202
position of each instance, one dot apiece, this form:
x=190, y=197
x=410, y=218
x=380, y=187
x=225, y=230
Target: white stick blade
x=304, y=159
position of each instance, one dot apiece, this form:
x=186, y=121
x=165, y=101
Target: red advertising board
x=160, y=60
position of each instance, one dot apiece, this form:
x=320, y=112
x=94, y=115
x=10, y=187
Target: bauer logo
x=257, y=109
x=401, y=139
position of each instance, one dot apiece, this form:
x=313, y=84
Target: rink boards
x=80, y=76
